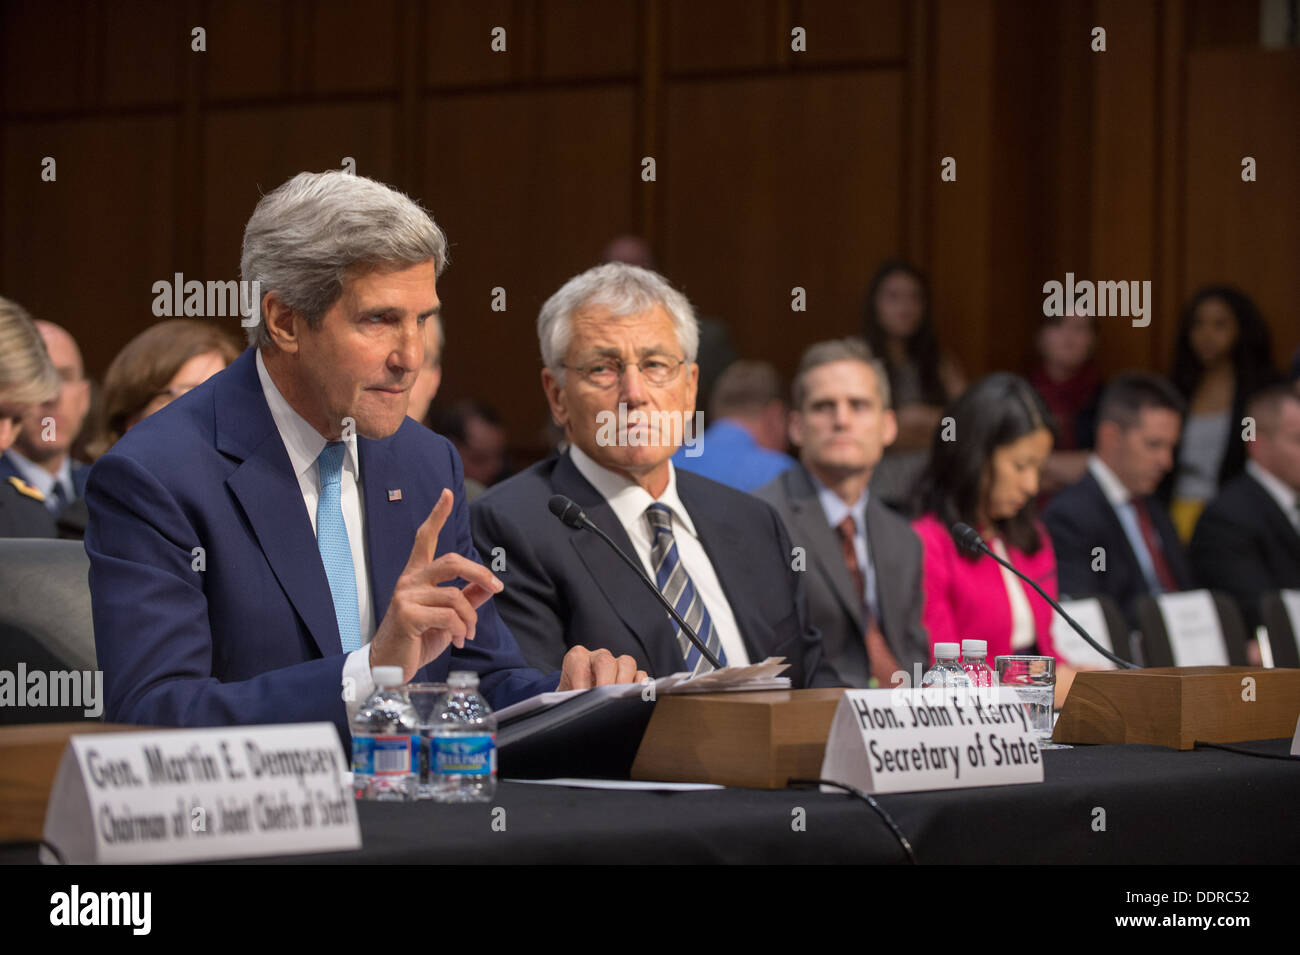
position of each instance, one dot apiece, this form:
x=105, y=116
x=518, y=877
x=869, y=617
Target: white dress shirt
x=629, y=501
x=304, y=444
x=1286, y=498
x=1121, y=501
x=1023, y=631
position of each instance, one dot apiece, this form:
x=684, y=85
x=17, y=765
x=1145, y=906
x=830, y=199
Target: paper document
x=756, y=676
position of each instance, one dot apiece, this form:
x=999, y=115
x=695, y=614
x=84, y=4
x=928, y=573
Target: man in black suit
x=1111, y=535
x=1248, y=540
x=863, y=561
x=618, y=345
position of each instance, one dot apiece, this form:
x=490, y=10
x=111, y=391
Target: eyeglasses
x=607, y=372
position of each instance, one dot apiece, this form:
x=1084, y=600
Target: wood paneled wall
x=774, y=168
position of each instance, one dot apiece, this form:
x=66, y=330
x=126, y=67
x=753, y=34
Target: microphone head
x=968, y=539
x=567, y=511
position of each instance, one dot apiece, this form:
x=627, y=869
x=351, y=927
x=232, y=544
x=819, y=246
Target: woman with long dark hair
x=1222, y=356
x=984, y=471
x=922, y=377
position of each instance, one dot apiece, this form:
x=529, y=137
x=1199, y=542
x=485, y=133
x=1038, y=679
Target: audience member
x=618, y=348
x=984, y=472
x=1248, y=540
x=28, y=379
x=475, y=428
x=922, y=377
x=863, y=562
x=156, y=367
x=1113, y=536
x=1221, y=357
x=744, y=445
x=1067, y=379
x=41, y=452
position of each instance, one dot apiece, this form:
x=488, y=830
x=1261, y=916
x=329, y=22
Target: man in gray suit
x=863, y=560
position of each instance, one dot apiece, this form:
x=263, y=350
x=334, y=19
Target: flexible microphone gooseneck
x=572, y=515
x=969, y=540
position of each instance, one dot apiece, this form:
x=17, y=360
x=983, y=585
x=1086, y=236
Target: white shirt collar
x=41, y=479
x=627, y=498
x=303, y=442
x=836, y=510
x=1277, y=489
x=1111, y=485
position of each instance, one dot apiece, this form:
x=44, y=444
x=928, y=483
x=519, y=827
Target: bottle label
x=464, y=755
x=382, y=755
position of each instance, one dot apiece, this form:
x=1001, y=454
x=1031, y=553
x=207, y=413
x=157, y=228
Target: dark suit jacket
x=1245, y=545
x=833, y=607
x=564, y=587
x=1079, y=519
x=252, y=638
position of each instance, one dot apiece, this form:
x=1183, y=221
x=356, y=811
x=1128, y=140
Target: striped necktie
x=335, y=552
x=675, y=584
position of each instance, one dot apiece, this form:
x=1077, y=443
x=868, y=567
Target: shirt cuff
x=358, y=684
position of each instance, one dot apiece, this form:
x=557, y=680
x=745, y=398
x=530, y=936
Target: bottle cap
x=462, y=678
x=945, y=650
x=974, y=646
x=386, y=676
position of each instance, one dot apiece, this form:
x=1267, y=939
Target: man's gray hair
x=622, y=289
x=306, y=235
x=828, y=352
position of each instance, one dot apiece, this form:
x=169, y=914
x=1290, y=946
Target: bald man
x=41, y=452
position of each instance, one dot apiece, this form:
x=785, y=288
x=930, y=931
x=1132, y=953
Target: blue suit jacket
x=252, y=637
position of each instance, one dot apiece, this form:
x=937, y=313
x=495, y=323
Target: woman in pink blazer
x=986, y=476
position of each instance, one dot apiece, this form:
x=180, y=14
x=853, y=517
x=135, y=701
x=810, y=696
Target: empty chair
x=1280, y=613
x=1102, y=619
x=1192, y=628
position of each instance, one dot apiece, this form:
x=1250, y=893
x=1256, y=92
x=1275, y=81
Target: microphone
x=572, y=516
x=969, y=541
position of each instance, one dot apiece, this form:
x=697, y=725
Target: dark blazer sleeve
x=494, y=653
x=152, y=635
x=531, y=602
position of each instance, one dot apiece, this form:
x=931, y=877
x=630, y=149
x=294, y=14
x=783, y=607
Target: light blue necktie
x=676, y=585
x=335, y=552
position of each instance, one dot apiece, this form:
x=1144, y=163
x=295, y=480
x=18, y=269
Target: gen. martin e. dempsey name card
x=178, y=795
x=904, y=740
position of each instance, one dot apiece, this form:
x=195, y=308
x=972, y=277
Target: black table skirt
x=1161, y=806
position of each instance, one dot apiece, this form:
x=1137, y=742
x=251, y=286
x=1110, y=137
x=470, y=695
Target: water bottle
x=974, y=660
x=947, y=670
x=382, y=751
x=463, y=746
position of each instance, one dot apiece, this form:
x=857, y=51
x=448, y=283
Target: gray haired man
x=618, y=346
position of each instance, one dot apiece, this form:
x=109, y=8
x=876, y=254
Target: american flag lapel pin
x=395, y=494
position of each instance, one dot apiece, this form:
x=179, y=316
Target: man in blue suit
x=263, y=541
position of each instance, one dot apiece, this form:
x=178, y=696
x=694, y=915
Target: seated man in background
x=266, y=538
x=864, y=560
x=1112, y=535
x=41, y=452
x=1247, y=541
x=744, y=445
x=28, y=379
x=618, y=349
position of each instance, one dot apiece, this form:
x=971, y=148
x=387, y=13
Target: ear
x=281, y=323
x=9, y=429
x=555, y=397
x=692, y=386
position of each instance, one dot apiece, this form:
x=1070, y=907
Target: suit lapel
x=644, y=616
x=886, y=596
x=389, y=524
x=820, y=540
x=268, y=491
x=1116, y=527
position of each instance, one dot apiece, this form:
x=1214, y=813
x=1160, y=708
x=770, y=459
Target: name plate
x=183, y=795
x=907, y=740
